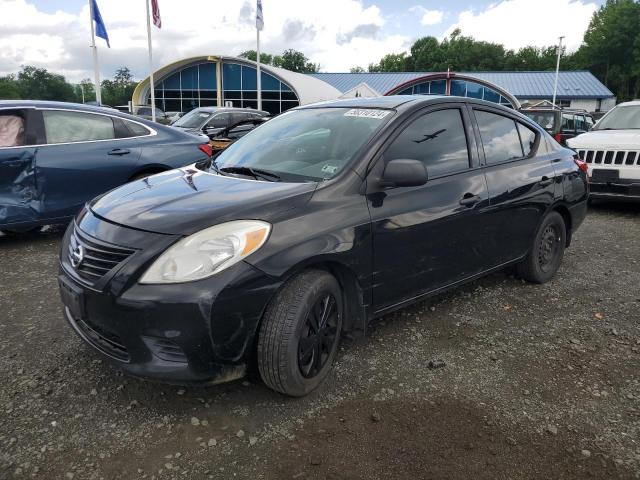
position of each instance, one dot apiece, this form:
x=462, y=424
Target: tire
x=547, y=250
x=292, y=358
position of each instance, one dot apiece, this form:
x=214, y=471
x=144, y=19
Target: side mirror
x=404, y=173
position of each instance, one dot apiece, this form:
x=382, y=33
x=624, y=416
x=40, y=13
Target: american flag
x=156, y=13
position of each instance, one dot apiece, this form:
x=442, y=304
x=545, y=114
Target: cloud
x=296, y=30
x=432, y=17
x=519, y=23
x=337, y=34
x=369, y=30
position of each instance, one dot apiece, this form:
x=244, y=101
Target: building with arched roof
x=219, y=81
x=232, y=81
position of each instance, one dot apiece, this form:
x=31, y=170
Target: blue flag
x=101, y=30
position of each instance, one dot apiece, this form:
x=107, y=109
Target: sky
x=337, y=34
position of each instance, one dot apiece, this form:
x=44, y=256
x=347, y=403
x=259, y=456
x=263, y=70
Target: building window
x=191, y=87
x=460, y=88
x=239, y=86
x=563, y=103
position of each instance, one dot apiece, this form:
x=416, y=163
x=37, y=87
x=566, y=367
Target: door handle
x=119, y=151
x=469, y=199
x=545, y=181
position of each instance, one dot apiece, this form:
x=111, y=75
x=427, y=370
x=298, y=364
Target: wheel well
x=355, y=316
x=566, y=216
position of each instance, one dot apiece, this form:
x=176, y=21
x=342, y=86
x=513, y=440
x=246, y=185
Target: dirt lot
x=539, y=382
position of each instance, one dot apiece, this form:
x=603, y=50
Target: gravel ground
x=499, y=379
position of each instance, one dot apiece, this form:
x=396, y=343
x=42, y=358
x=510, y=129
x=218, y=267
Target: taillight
x=582, y=165
x=558, y=137
x=206, y=149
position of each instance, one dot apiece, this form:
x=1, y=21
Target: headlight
x=208, y=252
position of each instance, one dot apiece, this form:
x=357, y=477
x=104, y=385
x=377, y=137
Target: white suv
x=612, y=152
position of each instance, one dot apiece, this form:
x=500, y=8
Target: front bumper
x=621, y=189
x=196, y=332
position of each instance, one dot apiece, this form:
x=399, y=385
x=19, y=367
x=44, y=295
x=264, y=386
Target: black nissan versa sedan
x=309, y=226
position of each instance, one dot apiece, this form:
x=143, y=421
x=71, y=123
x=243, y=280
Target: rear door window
x=128, y=129
x=568, y=123
x=500, y=138
x=63, y=126
x=527, y=137
x=546, y=120
x=581, y=124
x=220, y=120
x=589, y=121
x=438, y=139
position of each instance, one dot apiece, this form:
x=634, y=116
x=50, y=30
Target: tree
x=38, y=84
x=295, y=61
x=392, y=62
x=85, y=91
x=265, y=58
x=611, y=47
x=119, y=90
x=290, y=59
x=357, y=70
x=9, y=88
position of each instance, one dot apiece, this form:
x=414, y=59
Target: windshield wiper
x=254, y=172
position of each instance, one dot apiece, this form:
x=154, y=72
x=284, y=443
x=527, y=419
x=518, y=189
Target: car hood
x=607, y=139
x=186, y=200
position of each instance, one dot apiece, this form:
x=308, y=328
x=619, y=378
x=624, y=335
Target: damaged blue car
x=55, y=156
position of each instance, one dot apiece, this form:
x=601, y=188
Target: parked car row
x=300, y=231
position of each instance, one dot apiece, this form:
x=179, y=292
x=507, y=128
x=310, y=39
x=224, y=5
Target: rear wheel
x=547, y=250
x=300, y=332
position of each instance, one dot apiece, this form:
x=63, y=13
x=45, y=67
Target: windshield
x=620, y=118
x=305, y=145
x=546, y=120
x=193, y=119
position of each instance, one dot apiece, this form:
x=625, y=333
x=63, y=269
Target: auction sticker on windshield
x=367, y=113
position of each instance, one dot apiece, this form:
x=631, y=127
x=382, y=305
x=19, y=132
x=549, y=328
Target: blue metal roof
x=526, y=85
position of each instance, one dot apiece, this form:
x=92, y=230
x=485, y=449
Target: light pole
x=555, y=84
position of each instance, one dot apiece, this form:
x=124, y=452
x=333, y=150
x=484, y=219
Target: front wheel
x=547, y=250
x=300, y=332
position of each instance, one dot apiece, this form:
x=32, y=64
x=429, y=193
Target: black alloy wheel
x=319, y=335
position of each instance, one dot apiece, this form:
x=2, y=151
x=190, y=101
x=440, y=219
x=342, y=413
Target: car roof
x=229, y=109
x=634, y=103
x=52, y=104
x=553, y=110
x=399, y=102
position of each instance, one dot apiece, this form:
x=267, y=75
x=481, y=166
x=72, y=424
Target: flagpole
x=95, y=55
x=259, y=79
x=151, y=82
x=555, y=83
